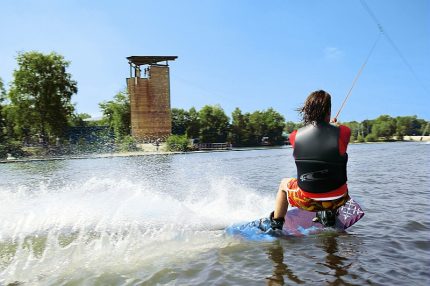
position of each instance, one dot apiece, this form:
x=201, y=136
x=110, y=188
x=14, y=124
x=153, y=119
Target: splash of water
x=80, y=231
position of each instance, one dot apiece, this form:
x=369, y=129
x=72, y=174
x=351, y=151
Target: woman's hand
x=334, y=121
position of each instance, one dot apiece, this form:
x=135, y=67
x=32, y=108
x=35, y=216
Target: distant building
x=150, y=97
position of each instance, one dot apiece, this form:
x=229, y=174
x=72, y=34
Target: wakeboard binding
x=271, y=223
x=327, y=218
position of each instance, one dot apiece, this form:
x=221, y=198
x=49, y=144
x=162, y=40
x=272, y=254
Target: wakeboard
x=298, y=222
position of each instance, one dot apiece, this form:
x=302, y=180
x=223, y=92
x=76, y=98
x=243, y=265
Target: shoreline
x=151, y=153
x=131, y=154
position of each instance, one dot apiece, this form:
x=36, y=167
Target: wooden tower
x=149, y=90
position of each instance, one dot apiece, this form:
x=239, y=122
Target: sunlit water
x=159, y=220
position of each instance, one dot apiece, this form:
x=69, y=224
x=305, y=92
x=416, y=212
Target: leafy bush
x=371, y=138
x=14, y=148
x=177, y=143
x=360, y=139
x=127, y=144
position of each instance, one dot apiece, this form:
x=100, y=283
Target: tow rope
x=358, y=74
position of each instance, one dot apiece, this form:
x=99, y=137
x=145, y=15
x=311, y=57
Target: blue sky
x=247, y=54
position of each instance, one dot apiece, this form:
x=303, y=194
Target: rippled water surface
x=159, y=220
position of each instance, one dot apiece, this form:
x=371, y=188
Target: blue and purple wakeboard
x=298, y=222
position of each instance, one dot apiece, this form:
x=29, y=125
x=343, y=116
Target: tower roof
x=148, y=60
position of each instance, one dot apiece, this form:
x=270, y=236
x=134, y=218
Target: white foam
x=108, y=225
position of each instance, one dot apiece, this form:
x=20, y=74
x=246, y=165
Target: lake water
x=159, y=220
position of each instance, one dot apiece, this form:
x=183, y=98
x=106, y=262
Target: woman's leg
x=281, y=203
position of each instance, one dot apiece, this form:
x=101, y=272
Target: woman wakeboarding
x=320, y=157
x=319, y=195
x=321, y=162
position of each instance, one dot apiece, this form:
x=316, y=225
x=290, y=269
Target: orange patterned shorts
x=296, y=198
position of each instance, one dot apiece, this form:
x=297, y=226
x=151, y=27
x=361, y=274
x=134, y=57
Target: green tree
x=290, y=126
x=238, y=130
x=7, y=142
x=214, y=124
x=355, y=129
x=17, y=128
x=186, y=122
x=417, y=126
x=384, y=126
x=248, y=129
x=2, y=119
x=267, y=123
x=257, y=127
x=193, y=124
x=180, y=120
x=403, y=126
x=2, y=91
x=275, y=124
x=116, y=114
x=242, y=132
x=366, y=127
x=40, y=95
x=425, y=127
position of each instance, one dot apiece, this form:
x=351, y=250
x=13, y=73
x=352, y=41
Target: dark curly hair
x=316, y=108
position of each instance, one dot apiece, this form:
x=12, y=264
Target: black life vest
x=320, y=167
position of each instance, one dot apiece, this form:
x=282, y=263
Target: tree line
x=37, y=110
x=387, y=128
x=211, y=124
